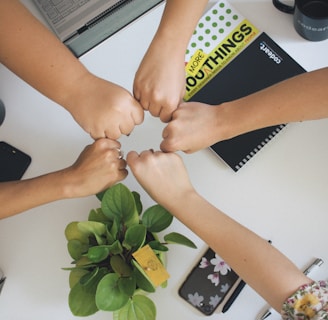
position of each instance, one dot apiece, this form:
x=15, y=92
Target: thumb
x=131, y=157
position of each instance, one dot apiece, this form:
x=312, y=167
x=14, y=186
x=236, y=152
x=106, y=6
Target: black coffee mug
x=310, y=17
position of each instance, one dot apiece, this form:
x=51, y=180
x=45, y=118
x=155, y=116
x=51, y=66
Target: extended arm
x=97, y=168
x=160, y=81
x=263, y=267
x=303, y=97
x=30, y=50
x=196, y=125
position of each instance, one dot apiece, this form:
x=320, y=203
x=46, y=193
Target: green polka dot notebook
x=229, y=58
x=213, y=27
x=221, y=34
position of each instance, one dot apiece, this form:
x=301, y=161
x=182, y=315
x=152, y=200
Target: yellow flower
x=305, y=305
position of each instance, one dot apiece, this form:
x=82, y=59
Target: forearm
x=22, y=195
x=264, y=268
x=178, y=22
x=33, y=53
x=304, y=97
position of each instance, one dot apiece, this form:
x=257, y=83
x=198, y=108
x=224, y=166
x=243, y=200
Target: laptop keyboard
x=59, y=9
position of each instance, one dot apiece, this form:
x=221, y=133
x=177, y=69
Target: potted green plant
x=106, y=275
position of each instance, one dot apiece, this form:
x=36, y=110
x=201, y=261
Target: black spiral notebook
x=260, y=64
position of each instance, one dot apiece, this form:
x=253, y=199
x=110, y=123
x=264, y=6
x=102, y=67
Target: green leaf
x=72, y=232
x=162, y=258
x=157, y=246
x=99, y=253
x=109, y=297
x=178, y=238
x=81, y=298
x=76, y=248
x=128, y=285
x=143, y=281
x=75, y=275
x=109, y=236
x=97, y=229
x=116, y=247
x=118, y=204
x=114, y=229
x=100, y=195
x=81, y=301
x=89, y=277
x=97, y=215
x=83, y=261
x=135, y=237
x=120, y=266
x=156, y=218
x=137, y=201
x=138, y=308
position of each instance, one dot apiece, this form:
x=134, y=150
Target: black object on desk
x=207, y=288
x=13, y=162
x=234, y=296
x=261, y=64
x=2, y=280
x=116, y=20
x=2, y=112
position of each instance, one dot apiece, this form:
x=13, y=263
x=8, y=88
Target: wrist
x=66, y=185
x=234, y=119
x=171, y=41
x=179, y=200
x=75, y=90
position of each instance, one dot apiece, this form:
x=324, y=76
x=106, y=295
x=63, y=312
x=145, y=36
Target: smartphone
x=210, y=284
x=13, y=162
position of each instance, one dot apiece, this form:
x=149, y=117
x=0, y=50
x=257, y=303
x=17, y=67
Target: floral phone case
x=209, y=284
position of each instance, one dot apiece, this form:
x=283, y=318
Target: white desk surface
x=281, y=193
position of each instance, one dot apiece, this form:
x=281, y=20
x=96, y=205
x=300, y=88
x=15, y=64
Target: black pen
x=316, y=263
x=234, y=296
x=2, y=280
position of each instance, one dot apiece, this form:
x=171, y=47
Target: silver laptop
x=69, y=18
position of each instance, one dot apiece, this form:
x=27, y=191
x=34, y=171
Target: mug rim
x=301, y=9
x=284, y=7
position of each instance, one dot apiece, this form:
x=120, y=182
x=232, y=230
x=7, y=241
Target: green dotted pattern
x=213, y=27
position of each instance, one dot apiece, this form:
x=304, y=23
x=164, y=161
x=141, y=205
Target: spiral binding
x=260, y=146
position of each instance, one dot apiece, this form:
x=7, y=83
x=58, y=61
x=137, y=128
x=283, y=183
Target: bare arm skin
x=39, y=58
x=165, y=178
x=159, y=83
x=195, y=125
x=97, y=168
